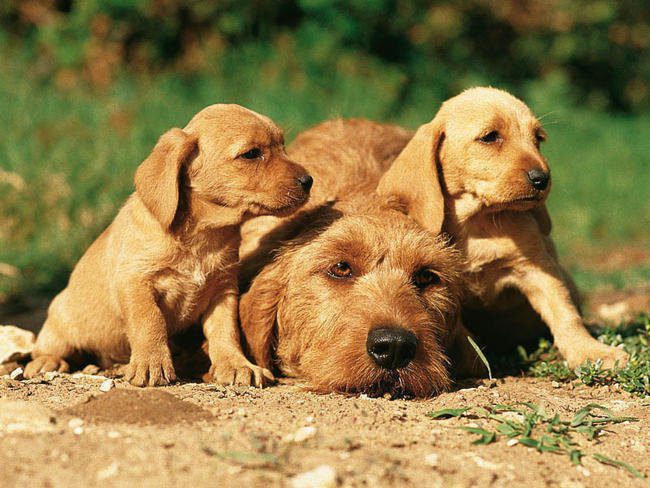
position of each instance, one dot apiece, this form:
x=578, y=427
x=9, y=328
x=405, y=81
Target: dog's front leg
x=542, y=284
x=151, y=362
x=229, y=366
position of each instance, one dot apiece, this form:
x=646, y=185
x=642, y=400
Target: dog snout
x=306, y=181
x=391, y=347
x=539, y=179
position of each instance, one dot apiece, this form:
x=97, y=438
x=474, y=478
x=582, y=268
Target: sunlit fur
x=169, y=258
x=305, y=323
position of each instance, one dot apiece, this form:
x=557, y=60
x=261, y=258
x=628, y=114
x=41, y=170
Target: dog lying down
x=169, y=259
x=351, y=294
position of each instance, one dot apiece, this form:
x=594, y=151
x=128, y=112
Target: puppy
x=484, y=145
x=169, y=259
x=351, y=294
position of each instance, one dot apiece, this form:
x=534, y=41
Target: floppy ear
x=543, y=219
x=258, y=309
x=413, y=178
x=157, y=177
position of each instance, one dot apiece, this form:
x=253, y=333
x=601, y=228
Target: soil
x=64, y=431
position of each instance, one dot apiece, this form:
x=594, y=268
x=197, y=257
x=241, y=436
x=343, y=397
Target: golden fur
x=304, y=322
x=482, y=143
x=169, y=259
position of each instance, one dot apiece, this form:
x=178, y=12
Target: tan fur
x=298, y=319
x=498, y=220
x=169, y=259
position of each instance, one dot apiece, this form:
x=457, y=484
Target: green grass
x=67, y=157
x=529, y=425
x=634, y=377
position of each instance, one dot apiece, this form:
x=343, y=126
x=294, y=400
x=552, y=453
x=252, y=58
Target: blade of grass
x=480, y=355
x=618, y=464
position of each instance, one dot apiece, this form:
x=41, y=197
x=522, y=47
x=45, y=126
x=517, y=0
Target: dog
x=169, y=259
x=351, y=294
x=477, y=172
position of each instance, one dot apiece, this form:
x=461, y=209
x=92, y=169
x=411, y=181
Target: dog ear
x=258, y=309
x=157, y=177
x=413, y=178
x=543, y=219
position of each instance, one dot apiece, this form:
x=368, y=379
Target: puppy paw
x=43, y=364
x=240, y=374
x=610, y=356
x=155, y=370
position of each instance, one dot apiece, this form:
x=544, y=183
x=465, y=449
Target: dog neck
x=199, y=217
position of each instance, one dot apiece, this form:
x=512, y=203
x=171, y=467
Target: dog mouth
x=280, y=210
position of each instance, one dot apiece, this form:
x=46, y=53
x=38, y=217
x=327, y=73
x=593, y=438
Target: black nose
x=539, y=179
x=306, y=181
x=391, y=347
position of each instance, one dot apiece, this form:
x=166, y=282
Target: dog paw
x=610, y=356
x=242, y=374
x=43, y=364
x=155, y=370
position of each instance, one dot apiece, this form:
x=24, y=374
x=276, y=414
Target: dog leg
x=547, y=293
x=229, y=366
x=49, y=352
x=151, y=361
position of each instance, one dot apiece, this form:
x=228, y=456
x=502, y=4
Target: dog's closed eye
x=491, y=137
x=540, y=136
x=254, y=153
x=425, y=277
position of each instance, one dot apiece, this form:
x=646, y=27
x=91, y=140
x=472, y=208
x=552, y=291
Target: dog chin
x=396, y=384
x=259, y=209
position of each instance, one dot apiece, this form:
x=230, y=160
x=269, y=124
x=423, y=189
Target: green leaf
x=507, y=430
x=486, y=436
x=480, y=355
x=618, y=464
x=576, y=455
x=446, y=413
x=529, y=442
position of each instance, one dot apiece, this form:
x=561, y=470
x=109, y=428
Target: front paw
x=151, y=370
x=240, y=373
x=610, y=356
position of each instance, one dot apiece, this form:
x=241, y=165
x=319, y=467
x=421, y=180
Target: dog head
x=227, y=157
x=485, y=146
x=361, y=301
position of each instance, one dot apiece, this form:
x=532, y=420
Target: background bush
x=86, y=88
x=598, y=50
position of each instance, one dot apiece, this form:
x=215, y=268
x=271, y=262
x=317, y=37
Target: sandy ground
x=66, y=432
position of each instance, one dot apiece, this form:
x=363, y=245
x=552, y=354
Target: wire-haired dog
x=352, y=294
x=169, y=259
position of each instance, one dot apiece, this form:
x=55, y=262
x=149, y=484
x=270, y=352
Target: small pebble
x=50, y=375
x=555, y=384
x=323, y=476
x=75, y=422
x=113, y=434
x=107, y=385
x=512, y=442
x=16, y=374
x=431, y=459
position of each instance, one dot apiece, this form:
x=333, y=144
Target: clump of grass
x=532, y=427
x=634, y=377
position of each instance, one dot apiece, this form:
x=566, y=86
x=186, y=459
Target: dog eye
x=490, y=137
x=254, y=153
x=340, y=270
x=425, y=277
x=539, y=138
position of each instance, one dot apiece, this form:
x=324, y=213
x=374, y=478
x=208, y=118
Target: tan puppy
x=169, y=259
x=484, y=144
x=352, y=295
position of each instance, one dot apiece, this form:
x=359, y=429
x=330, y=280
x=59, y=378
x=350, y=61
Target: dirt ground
x=65, y=431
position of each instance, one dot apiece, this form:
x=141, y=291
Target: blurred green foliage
x=87, y=87
x=597, y=49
